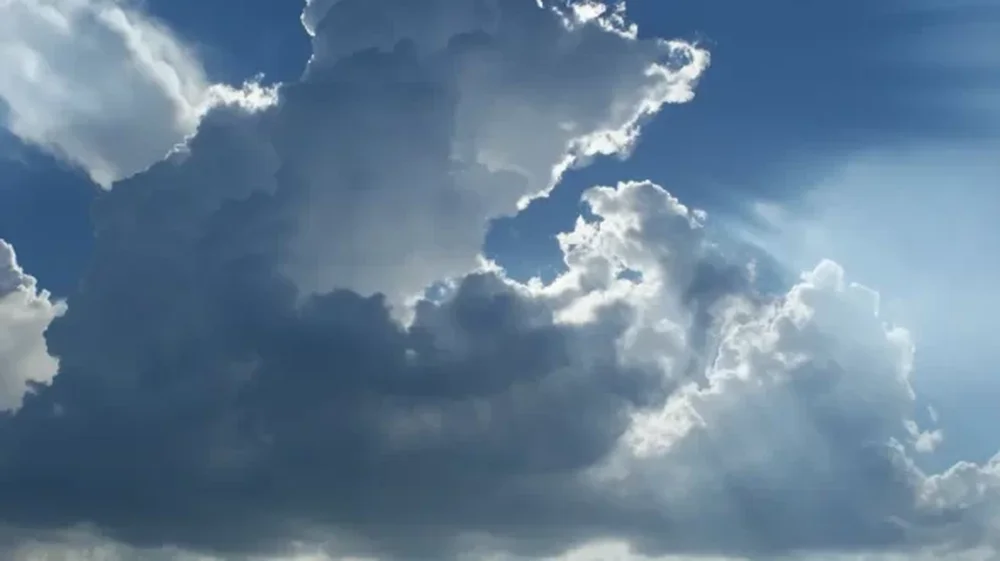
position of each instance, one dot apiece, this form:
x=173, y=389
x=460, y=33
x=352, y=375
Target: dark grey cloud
x=221, y=388
x=219, y=409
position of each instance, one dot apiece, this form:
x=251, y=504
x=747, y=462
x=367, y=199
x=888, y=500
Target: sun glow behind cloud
x=100, y=84
x=234, y=362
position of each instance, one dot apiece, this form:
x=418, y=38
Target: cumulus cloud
x=99, y=83
x=245, y=371
x=524, y=418
x=790, y=428
x=25, y=313
x=448, y=114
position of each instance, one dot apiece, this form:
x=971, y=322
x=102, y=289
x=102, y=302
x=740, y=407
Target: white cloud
x=504, y=121
x=98, y=83
x=25, y=313
x=488, y=104
x=936, y=280
x=794, y=431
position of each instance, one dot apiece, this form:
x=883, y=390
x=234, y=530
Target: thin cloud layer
x=246, y=372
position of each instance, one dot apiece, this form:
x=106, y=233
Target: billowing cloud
x=247, y=370
x=791, y=428
x=99, y=84
x=526, y=418
x=25, y=313
x=532, y=419
x=447, y=114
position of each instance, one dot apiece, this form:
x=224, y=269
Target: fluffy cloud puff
x=243, y=370
x=25, y=313
x=444, y=114
x=98, y=83
x=790, y=428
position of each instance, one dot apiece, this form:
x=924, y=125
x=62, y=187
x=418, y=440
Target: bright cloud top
x=25, y=313
x=255, y=365
x=97, y=83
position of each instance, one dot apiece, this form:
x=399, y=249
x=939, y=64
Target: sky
x=502, y=280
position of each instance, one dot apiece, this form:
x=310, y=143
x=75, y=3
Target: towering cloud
x=254, y=365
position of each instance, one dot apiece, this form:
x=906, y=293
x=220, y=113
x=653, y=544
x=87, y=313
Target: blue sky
x=855, y=131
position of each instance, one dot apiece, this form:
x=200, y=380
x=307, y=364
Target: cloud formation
x=100, y=84
x=287, y=339
x=473, y=120
x=25, y=313
x=97, y=83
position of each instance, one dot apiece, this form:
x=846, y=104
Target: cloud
x=524, y=418
x=437, y=133
x=247, y=419
x=25, y=313
x=885, y=240
x=793, y=431
x=245, y=371
x=77, y=546
x=99, y=84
